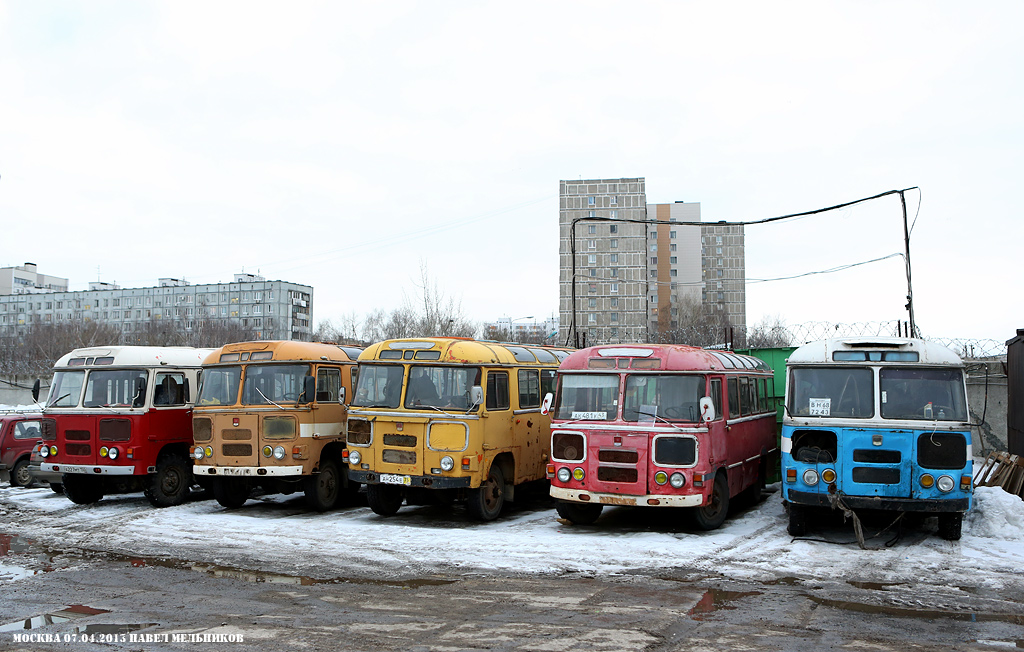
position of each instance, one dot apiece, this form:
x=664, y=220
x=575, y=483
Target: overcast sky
x=342, y=144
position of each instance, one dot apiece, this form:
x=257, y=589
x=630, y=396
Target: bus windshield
x=442, y=387
x=593, y=397
x=846, y=392
x=273, y=383
x=219, y=386
x=665, y=396
x=66, y=388
x=116, y=388
x=930, y=394
x=379, y=386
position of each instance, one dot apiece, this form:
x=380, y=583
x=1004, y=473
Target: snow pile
x=32, y=407
x=995, y=514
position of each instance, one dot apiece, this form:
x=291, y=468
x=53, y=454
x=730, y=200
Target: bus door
x=498, y=427
x=873, y=460
x=328, y=412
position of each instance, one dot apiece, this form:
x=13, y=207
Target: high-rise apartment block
x=272, y=310
x=632, y=271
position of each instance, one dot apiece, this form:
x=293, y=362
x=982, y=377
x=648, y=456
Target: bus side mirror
x=707, y=409
x=308, y=390
x=545, y=407
x=476, y=396
x=35, y=390
x=341, y=395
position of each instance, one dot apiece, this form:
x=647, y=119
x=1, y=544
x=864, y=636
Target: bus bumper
x=883, y=502
x=247, y=471
x=659, y=500
x=49, y=467
x=424, y=481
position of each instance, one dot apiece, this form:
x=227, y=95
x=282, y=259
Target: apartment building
x=25, y=279
x=273, y=310
x=630, y=271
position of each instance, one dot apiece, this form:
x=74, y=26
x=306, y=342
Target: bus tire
x=56, y=487
x=20, y=476
x=232, y=493
x=578, y=513
x=81, y=490
x=797, y=520
x=950, y=526
x=323, y=488
x=170, y=484
x=712, y=515
x=485, y=503
x=384, y=499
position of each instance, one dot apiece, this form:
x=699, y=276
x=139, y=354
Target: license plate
x=390, y=478
x=231, y=470
x=71, y=468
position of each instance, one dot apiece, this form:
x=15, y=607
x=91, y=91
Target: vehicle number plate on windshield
x=390, y=478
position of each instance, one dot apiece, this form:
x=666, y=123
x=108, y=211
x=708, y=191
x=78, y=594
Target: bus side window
x=170, y=389
x=497, y=390
x=547, y=381
x=328, y=384
x=744, y=396
x=529, y=388
x=716, y=397
x=734, y=397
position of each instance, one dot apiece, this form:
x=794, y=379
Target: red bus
x=660, y=425
x=119, y=418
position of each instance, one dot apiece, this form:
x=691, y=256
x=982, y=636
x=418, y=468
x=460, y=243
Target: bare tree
x=442, y=316
x=697, y=324
x=769, y=333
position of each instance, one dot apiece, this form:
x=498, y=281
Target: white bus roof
x=134, y=356
x=822, y=351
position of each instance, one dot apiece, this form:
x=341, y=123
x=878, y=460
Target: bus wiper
x=439, y=410
x=268, y=400
x=58, y=400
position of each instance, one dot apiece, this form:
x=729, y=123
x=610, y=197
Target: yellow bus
x=449, y=419
x=272, y=414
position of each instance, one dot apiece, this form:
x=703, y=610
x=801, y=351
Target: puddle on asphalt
x=927, y=614
x=64, y=615
x=110, y=628
x=716, y=600
x=873, y=586
x=25, y=557
x=263, y=577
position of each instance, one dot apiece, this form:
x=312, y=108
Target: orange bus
x=272, y=414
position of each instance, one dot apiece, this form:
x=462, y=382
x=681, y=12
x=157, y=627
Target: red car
x=19, y=433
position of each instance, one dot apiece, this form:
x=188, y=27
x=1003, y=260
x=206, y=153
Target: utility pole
x=906, y=243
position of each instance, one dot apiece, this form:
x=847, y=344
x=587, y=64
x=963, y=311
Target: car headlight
x=927, y=481
x=661, y=477
x=279, y=453
x=945, y=483
x=677, y=480
x=447, y=463
x=563, y=474
x=578, y=474
x=355, y=457
x=113, y=453
x=198, y=453
x=810, y=477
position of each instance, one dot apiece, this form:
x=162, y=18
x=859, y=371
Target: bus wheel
x=950, y=526
x=712, y=515
x=486, y=502
x=170, y=484
x=797, y=520
x=56, y=487
x=20, y=476
x=384, y=499
x=81, y=491
x=323, y=488
x=230, y=493
x=578, y=513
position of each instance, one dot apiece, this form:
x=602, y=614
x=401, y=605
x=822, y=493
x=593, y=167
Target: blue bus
x=876, y=423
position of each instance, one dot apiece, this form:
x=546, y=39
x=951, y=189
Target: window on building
x=593, y=271
x=592, y=228
x=613, y=272
x=654, y=260
x=613, y=200
x=654, y=273
x=672, y=235
x=591, y=318
x=672, y=260
x=591, y=244
x=591, y=201
x=673, y=272
x=614, y=288
x=592, y=302
x=614, y=258
x=592, y=287
x=719, y=262
x=721, y=296
x=614, y=243
x=672, y=247
x=592, y=259
x=613, y=316
x=721, y=272
x=718, y=239
x=718, y=250
x=615, y=302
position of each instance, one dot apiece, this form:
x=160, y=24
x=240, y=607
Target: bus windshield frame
x=668, y=397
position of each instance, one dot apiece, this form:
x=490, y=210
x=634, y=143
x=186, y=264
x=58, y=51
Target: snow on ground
x=277, y=534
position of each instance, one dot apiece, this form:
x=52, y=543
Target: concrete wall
x=991, y=434
x=17, y=390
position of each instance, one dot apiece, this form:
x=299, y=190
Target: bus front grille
x=616, y=474
x=871, y=475
x=237, y=450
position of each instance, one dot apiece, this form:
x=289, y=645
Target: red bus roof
x=672, y=357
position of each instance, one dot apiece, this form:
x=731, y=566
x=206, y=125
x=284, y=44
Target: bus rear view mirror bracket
x=476, y=397
x=707, y=409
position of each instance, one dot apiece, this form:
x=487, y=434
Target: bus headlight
x=828, y=475
x=44, y=452
x=113, y=453
x=564, y=474
x=209, y=451
x=945, y=484
x=677, y=480
x=927, y=481
x=578, y=474
x=103, y=451
x=661, y=477
x=53, y=450
x=197, y=453
x=355, y=457
x=279, y=453
x=810, y=477
x=268, y=451
x=447, y=463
